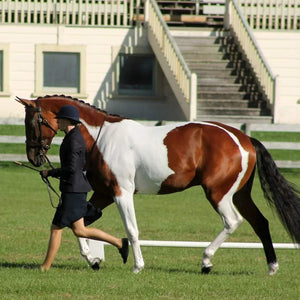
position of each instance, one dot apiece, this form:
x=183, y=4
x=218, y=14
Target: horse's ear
x=26, y=103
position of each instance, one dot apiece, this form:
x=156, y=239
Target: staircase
x=222, y=94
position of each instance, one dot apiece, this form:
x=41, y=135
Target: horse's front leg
x=84, y=247
x=126, y=208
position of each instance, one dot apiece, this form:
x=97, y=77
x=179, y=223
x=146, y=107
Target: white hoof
x=273, y=268
x=137, y=270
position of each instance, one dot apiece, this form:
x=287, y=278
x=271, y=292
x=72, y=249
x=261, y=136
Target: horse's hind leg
x=232, y=219
x=259, y=223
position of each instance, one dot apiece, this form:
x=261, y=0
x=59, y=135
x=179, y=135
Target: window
x=4, y=72
x=136, y=74
x=60, y=69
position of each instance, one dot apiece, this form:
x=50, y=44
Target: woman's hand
x=44, y=173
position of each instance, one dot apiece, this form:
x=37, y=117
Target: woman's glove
x=44, y=173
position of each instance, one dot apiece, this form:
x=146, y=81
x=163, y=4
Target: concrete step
x=228, y=111
x=223, y=103
x=226, y=72
x=201, y=94
x=201, y=48
x=236, y=121
x=198, y=41
x=201, y=57
x=219, y=87
x=217, y=80
x=208, y=64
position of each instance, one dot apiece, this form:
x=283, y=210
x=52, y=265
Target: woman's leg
x=94, y=233
x=53, y=246
x=97, y=234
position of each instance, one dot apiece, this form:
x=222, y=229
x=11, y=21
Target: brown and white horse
x=125, y=157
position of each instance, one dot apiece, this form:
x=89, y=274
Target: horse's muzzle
x=35, y=157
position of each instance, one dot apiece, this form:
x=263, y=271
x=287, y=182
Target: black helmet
x=68, y=112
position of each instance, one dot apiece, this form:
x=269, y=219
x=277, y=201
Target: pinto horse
x=125, y=157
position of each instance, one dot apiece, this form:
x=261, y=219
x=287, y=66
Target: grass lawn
x=171, y=273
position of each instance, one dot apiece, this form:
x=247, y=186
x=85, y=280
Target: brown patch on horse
x=248, y=146
x=196, y=159
x=101, y=178
x=93, y=115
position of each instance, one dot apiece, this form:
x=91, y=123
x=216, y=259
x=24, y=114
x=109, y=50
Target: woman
x=74, y=188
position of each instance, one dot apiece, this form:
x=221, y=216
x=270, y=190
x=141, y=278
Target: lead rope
x=98, y=135
x=45, y=180
x=50, y=187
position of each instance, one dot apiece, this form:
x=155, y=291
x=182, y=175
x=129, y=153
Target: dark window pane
x=1, y=70
x=61, y=69
x=136, y=74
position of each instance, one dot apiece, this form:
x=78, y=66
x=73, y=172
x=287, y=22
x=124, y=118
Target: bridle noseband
x=41, y=120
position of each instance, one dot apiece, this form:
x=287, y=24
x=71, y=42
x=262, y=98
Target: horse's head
x=40, y=128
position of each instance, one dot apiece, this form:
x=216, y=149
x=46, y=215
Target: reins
x=46, y=181
x=98, y=135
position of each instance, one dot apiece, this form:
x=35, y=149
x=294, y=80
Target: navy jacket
x=72, y=159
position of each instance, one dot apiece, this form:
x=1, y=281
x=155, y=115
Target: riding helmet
x=68, y=112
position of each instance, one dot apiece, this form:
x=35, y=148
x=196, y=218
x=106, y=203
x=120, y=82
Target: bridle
x=41, y=121
x=43, y=146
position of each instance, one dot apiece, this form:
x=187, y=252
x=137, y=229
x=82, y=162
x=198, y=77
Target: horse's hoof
x=95, y=264
x=137, y=270
x=206, y=269
x=273, y=268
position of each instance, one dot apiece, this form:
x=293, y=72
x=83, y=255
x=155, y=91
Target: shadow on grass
x=32, y=266
x=213, y=273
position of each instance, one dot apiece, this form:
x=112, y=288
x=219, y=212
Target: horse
x=125, y=157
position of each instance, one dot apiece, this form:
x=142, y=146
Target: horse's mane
x=79, y=101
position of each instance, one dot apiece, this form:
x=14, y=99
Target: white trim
x=5, y=71
x=40, y=48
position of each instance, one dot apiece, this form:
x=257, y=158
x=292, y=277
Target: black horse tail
x=278, y=191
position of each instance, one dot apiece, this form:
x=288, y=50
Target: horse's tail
x=278, y=191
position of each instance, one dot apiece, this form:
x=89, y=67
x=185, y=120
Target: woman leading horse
x=125, y=157
x=73, y=211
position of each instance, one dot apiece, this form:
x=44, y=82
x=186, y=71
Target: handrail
x=186, y=80
x=69, y=12
x=236, y=22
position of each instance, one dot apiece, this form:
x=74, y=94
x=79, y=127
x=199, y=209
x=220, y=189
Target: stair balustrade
x=182, y=81
x=237, y=24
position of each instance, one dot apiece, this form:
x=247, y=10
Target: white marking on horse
x=136, y=154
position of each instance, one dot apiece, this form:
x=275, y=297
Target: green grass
x=18, y=130
x=172, y=273
x=276, y=136
x=10, y=148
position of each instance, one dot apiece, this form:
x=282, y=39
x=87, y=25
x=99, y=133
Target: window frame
x=138, y=92
x=157, y=73
x=39, y=69
x=5, y=70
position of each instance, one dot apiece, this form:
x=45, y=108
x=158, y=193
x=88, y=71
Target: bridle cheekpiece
x=41, y=120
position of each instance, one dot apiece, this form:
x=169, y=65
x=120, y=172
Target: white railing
x=162, y=41
x=239, y=27
x=272, y=14
x=69, y=12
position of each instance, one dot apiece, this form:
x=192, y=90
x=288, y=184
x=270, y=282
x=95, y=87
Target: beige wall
x=102, y=46
x=282, y=51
